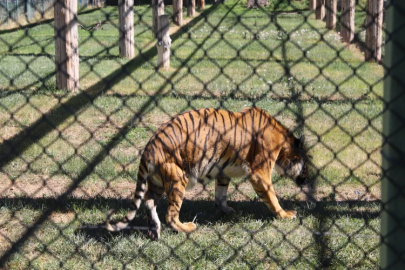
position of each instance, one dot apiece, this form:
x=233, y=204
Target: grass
x=231, y=58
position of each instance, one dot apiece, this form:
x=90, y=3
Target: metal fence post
x=393, y=161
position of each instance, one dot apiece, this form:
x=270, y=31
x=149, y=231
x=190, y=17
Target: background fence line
x=13, y=10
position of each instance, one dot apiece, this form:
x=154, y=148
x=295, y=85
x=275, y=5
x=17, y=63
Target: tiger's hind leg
x=221, y=191
x=175, y=186
x=151, y=201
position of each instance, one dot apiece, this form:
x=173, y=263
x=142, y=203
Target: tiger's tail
x=139, y=195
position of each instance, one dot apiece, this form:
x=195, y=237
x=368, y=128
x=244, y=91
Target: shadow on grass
x=14, y=146
x=253, y=208
x=49, y=122
x=204, y=211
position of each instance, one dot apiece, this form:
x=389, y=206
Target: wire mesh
x=68, y=158
x=33, y=10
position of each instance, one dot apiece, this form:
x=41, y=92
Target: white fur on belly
x=232, y=171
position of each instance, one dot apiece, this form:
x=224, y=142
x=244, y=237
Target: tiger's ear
x=302, y=141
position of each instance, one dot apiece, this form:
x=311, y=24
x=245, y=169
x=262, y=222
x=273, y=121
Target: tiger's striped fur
x=205, y=144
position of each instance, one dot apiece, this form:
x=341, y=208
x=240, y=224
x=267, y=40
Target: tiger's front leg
x=263, y=186
x=221, y=191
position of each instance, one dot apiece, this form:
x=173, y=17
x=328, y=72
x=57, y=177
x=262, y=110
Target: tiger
x=205, y=144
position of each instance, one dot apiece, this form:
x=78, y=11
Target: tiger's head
x=294, y=162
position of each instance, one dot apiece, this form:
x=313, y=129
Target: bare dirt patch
x=63, y=217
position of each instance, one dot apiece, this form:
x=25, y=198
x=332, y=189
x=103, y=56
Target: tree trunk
x=347, y=21
x=126, y=28
x=66, y=45
x=256, y=3
x=374, y=21
x=320, y=9
x=178, y=12
x=164, y=44
x=331, y=9
x=312, y=5
x=191, y=8
x=201, y=4
x=158, y=8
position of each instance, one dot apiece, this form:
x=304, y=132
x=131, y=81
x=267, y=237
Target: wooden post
x=320, y=9
x=17, y=10
x=26, y=9
x=331, y=9
x=43, y=9
x=8, y=12
x=312, y=5
x=126, y=22
x=201, y=4
x=158, y=8
x=66, y=45
x=347, y=21
x=190, y=8
x=374, y=22
x=178, y=12
x=164, y=43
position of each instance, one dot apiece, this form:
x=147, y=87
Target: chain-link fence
x=131, y=129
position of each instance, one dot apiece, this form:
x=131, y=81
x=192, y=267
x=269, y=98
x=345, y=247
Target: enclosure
x=68, y=157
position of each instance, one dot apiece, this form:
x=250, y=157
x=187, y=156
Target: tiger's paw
x=228, y=210
x=189, y=227
x=289, y=214
x=154, y=234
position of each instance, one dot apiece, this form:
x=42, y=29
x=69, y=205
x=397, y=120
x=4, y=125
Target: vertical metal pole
x=393, y=161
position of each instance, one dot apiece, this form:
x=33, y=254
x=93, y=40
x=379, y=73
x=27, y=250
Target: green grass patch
x=278, y=58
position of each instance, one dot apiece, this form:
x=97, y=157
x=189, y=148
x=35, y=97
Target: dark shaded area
x=209, y=213
x=204, y=211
